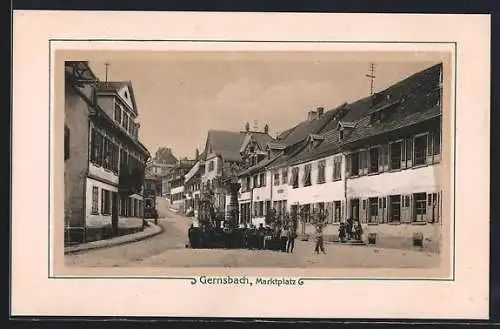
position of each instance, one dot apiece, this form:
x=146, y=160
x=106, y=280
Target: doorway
x=355, y=209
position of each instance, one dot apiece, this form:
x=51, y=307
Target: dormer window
x=341, y=134
x=126, y=94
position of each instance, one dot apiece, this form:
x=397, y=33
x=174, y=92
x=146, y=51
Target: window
x=261, y=208
x=129, y=207
x=373, y=168
x=307, y=175
x=407, y=201
x=106, y=153
x=395, y=155
x=394, y=208
x=384, y=203
x=211, y=166
x=354, y=164
x=249, y=183
x=363, y=165
x=276, y=178
x=105, y=202
x=95, y=200
x=364, y=204
x=384, y=157
x=409, y=152
x=96, y=147
x=436, y=141
x=337, y=163
x=284, y=176
x=420, y=206
x=429, y=199
x=373, y=210
x=420, y=147
x=256, y=181
x=118, y=114
x=123, y=205
x=321, y=171
x=66, y=142
x=262, y=179
x=295, y=177
x=337, y=212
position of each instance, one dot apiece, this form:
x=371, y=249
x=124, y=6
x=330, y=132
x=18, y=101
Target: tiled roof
x=411, y=101
x=262, y=164
x=226, y=144
x=303, y=129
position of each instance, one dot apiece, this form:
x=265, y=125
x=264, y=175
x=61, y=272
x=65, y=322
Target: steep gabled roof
x=115, y=86
x=304, y=128
x=226, y=144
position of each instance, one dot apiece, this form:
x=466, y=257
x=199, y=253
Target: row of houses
x=376, y=160
x=104, y=160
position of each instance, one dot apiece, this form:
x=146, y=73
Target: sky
x=180, y=98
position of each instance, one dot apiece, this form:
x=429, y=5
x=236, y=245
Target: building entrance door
x=355, y=209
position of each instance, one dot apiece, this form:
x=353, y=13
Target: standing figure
x=319, y=239
x=292, y=235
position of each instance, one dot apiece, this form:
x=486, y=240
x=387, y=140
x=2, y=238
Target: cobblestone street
x=168, y=250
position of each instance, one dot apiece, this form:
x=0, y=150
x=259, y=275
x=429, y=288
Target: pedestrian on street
x=261, y=234
x=319, y=239
x=291, y=236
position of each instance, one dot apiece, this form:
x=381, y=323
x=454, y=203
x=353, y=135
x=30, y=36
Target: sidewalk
x=149, y=231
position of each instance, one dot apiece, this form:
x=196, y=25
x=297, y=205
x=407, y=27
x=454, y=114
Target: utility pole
x=372, y=76
x=106, y=64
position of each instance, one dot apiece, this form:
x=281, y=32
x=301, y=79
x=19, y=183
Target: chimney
x=247, y=127
x=320, y=111
x=266, y=129
x=197, y=154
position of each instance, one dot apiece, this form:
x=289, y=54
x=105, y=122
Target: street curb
x=147, y=233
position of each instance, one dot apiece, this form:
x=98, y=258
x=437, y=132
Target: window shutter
x=363, y=212
x=403, y=154
x=348, y=165
x=428, y=158
x=102, y=201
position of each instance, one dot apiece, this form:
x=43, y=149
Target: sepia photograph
x=255, y=159
x=307, y=168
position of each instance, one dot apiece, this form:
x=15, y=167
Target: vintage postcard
x=297, y=165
